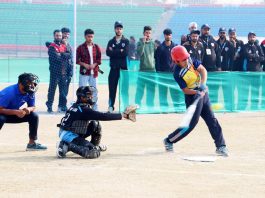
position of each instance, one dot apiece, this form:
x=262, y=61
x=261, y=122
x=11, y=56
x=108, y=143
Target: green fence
x=159, y=93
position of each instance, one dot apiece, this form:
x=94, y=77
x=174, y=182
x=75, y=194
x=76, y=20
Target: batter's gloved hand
x=203, y=88
x=130, y=112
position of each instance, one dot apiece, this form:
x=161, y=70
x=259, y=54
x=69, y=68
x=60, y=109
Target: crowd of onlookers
x=227, y=53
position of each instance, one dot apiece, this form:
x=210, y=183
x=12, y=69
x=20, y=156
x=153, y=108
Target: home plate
x=201, y=158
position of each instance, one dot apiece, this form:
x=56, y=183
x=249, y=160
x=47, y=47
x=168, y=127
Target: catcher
x=81, y=121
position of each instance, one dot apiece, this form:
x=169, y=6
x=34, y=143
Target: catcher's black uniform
x=79, y=122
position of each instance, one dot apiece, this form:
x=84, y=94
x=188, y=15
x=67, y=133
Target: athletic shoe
x=222, y=151
x=110, y=109
x=49, y=108
x=168, y=145
x=61, y=109
x=101, y=147
x=35, y=147
x=61, y=149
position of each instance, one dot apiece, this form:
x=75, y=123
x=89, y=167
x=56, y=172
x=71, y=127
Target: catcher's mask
x=86, y=92
x=29, y=82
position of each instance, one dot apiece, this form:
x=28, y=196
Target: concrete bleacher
x=26, y=24
x=243, y=18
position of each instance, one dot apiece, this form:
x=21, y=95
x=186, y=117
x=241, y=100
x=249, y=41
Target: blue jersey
x=189, y=76
x=12, y=98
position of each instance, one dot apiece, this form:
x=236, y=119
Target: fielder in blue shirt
x=12, y=100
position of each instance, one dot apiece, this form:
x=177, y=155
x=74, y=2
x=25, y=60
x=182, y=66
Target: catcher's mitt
x=130, y=112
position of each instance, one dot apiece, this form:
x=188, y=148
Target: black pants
x=114, y=76
x=203, y=109
x=62, y=82
x=32, y=119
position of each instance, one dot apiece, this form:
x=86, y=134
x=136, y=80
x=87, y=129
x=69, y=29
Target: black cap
x=251, y=33
x=167, y=31
x=118, y=24
x=205, y=26
x=65, y=30
x=222, y=29
x=231, y=30
x=195, y=32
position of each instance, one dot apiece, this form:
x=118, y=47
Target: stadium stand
x=27, y=26
x=243, y=18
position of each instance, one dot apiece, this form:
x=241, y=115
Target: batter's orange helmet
x=179, y=53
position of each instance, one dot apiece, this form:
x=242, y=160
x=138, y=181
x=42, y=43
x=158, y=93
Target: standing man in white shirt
x=88, y=56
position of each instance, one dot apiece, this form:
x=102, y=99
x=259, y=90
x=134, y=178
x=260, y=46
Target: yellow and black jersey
x=189, y=76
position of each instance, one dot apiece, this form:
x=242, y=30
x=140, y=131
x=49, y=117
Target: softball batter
x=191, y=77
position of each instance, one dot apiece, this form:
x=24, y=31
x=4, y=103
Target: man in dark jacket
x=254, y=56
x=253, y=53
x=58, y=60
x=238, y=55
x=194, y=47
x=70, y=64
x=238, y=66
x=226, y=49
x=211, y=59
x=117, y=50
x=164, y=64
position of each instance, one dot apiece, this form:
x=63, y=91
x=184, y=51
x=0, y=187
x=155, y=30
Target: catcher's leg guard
x=84, y=151
x=96, y=134
x=95, y=129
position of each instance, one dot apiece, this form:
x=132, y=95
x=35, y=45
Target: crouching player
x=81, y=121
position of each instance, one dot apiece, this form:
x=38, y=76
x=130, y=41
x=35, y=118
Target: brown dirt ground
x=135, y=164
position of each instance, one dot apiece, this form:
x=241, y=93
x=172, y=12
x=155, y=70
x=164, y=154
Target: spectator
x=88, y=56
x=117, y=50
x=164, y=64
x=253, y=53
x=194, y=47
x=132, y=49
x=238, y=66
x=69, y=69
x=12, y=100
x=58, y=60
x=146, y=50
x=187, y=38
x=157, y=44
x=238, y=45
x=227, y=52
x=211, y=58
x=262, y=45
x=254, y=56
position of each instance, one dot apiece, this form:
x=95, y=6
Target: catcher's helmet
x=179, y=53
x=29, y=81
x=87, y=93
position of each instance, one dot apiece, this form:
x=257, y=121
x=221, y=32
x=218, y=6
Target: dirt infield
x=135, y=164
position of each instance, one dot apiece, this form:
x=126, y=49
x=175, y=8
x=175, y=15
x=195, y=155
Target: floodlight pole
x=74, y=57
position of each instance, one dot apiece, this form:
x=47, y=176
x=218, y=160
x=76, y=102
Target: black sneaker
x=35, y=147
x=61, y=149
